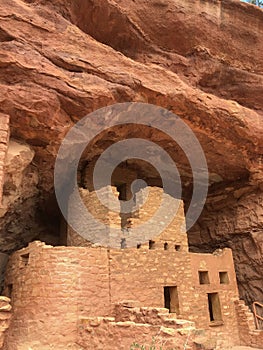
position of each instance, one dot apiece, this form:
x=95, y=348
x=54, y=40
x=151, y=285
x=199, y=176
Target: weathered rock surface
x=202, y=60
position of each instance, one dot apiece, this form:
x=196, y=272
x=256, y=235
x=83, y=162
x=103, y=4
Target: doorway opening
x=171, y=299
x=214, y=307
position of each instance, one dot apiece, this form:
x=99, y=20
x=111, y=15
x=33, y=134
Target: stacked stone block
x=93, y=232
x=50, y=288
x=5, y=316
x=134, y=325
x=248, y=334
x=165, y=233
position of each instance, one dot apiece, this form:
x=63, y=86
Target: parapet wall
x=58, y=286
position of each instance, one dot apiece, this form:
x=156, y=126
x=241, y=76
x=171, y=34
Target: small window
x=139, y=245
x=177, y=247
x=151, y=244
x=25, y=259
x=123, y=243
x=214, y=307
x=203, y=277
x=223, y=276
x=165, y=246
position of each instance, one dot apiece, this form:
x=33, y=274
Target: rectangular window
x=151, y=244
x=223, y=276
x=203, y=277
x=214, y=307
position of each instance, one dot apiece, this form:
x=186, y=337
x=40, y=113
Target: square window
x=203, y=277
x=223, y=276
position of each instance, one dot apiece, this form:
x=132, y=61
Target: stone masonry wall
x=148, y=272
x=99, y=212
x=249, y=335
x=218, y=264
x=170, y=233
x=5, y=315
x=174, y=233
x=4, y=137
x=52, y=288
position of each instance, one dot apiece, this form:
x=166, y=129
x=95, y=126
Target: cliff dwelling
x=90, y=260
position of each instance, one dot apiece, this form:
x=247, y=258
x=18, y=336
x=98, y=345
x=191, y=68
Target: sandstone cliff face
x=202, y=60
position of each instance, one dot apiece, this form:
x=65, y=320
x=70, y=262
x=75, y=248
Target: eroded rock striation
x=201, y=60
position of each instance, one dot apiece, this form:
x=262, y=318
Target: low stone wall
x=249, y=335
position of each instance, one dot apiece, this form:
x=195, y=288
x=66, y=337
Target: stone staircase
x=146, y=327
x=138, y=326
x=150, y=315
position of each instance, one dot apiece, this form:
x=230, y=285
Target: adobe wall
x=4, y=138
x=59, y=285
